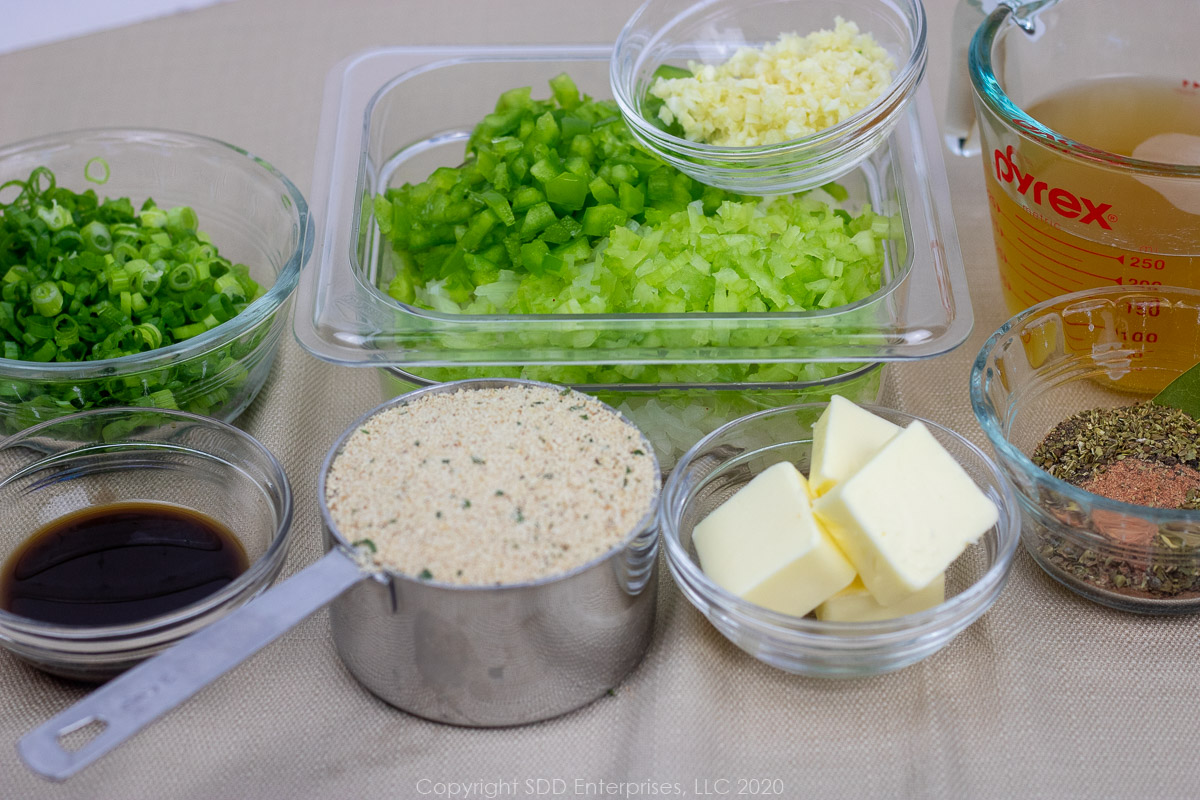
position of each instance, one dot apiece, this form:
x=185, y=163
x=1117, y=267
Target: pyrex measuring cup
x=1087, y=116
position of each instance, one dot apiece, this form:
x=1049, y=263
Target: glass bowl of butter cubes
x=838, y=540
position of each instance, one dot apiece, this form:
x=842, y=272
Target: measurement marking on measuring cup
x=1032, y=228
x=1120, y=258
x=1027, y=268
x=1002, y=257
x=1040, y=249
x=1038, y=260
x=1038, y=257
x=1041, y=256
x=1031, y=267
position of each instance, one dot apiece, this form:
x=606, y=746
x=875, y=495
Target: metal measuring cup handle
x=136, y=698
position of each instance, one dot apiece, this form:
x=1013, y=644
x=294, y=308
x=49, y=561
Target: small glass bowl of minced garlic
x=771, y=97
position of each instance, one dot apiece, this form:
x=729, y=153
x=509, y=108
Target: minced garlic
x=793, y=88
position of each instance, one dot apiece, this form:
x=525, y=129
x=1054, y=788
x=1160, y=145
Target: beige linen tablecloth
x=1047, y=695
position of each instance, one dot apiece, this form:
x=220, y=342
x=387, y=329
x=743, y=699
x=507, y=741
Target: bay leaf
x=1183, y=393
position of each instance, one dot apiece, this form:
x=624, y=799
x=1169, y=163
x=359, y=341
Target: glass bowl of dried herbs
x=1091, y=401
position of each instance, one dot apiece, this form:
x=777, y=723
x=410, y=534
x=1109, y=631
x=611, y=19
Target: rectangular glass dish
x=393, y=115
x=676, y=416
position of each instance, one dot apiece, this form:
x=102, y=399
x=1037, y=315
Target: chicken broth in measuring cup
x=1089, y=129
x=1032, y=199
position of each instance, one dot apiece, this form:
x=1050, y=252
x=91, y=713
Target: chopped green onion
x=47, y=299
x=151, y=335
x=153, y=217
x=163, y=398
x=172, y=314
x=38, y=327
x=84, y=279
x=96, y=236
x=181, y=278
x=229, y=285
x=66, y=331
x=182, y=219
x=148, y=282
x=188, y=331
x=195, y=305
x=136, y=266
x=89, y=173
x=108, y=314
x=220, y=306
x=56, y=217
x=123, y=251
x=44, y=352
x=118, y=279
x=66, y=241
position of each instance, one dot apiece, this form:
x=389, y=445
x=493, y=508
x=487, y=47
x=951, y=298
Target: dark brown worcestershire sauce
x=119, y=563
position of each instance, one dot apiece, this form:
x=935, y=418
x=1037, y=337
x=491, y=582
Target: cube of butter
x=764, y=545
x=855, y=603
x=905, y=515
x=844, y=438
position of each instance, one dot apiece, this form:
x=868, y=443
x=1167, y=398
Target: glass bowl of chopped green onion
x=1092, y=405
x=767, y=97
x=141, y=268
x=730, y=457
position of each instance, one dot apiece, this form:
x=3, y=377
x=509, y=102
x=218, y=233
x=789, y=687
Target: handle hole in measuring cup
x=78, y=735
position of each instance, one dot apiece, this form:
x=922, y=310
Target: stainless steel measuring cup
x=478, y=656
x=1087, y=116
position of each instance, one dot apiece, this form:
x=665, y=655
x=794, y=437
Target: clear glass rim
x=644, y=526
x=981, y=68
x=125, y=636
x=990, y=421
x=966, y=605
x=891, y=102
x=258, y=311
x=636, y=388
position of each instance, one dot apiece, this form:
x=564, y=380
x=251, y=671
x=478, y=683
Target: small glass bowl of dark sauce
x=124, y=530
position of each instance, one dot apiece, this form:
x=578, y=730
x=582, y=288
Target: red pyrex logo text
x=1065, y=203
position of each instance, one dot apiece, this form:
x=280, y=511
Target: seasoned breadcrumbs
x=492, y=486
